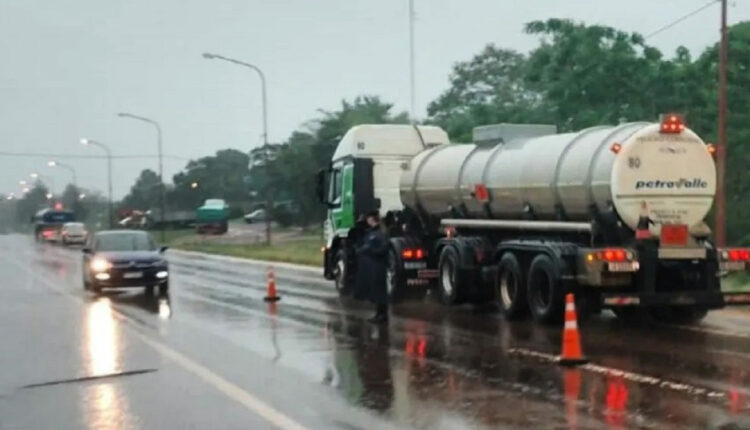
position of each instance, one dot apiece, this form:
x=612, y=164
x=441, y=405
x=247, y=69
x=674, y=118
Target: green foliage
x=585, y=75
x=31, y=203
x=488, y=89
x=144, y=194
x=286, y=172
x=221, y=176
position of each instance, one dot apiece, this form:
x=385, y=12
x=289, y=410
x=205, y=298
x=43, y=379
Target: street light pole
x=269, y=202
x=162, y=203
x=721, y=147
x=54, y=163
x=262, y=82
x=109, y=175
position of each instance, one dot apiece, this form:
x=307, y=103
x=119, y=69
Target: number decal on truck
x=634, y=162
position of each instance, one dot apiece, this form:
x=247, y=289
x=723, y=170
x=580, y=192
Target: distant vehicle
x=213, y=216
x=258, y=215
x=73, y=233
x=172, y=219
x=48, y=223
x=124, y=258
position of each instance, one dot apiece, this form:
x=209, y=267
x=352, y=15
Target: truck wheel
x=511, y=288
x=545, y=294
x=449, y=280
x=341, y=277
x=394, y=278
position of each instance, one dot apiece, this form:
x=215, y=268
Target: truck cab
x=363, y=176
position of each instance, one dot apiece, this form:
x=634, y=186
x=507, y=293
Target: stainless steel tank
x=556, y=175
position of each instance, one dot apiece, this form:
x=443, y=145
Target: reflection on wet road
x=213, y=353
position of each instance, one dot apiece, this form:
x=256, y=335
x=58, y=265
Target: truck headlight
x=100, y=265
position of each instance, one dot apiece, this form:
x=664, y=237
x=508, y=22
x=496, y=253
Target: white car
x=258, y=215
x=73, y=233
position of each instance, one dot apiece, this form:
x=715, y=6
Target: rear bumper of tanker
x=706, y=299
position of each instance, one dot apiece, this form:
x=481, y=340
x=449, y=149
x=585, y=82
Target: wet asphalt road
x=213, y=354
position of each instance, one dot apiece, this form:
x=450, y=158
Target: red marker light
x=711, y=148
x=619, y=255
x=672, y=124
x=408, y=254
x=734, y=254
x=419, y=253
x=744, y=254
x=616, y=147
x=609, y=255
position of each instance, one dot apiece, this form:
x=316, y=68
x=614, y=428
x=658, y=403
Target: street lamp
x=22, y=182
x=83, y=196
x=87, y=142
x=194, y=185
x=54, y=163
x=161, y=179
x=49, y=196
x=210, y=56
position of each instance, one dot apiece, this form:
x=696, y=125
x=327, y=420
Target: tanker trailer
x=524, y=215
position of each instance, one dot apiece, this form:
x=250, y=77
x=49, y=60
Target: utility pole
x=412, y=111
x=721, y=148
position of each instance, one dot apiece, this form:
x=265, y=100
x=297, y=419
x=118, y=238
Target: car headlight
x=100, y=265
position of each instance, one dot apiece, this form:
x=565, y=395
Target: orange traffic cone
x=571, y=344
x=271, y=295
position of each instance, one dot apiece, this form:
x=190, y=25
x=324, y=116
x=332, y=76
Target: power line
x=96, y=157
x=680, y=19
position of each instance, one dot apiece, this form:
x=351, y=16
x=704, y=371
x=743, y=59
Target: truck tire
x=341, y=278
x=545, y=291
x=394, y=278
x=511, y=288
x=449, y=278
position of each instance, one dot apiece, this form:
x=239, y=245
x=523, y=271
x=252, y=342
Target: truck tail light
x=672, y=124
x=413, y=254
x=735, y=254
x=610, y=255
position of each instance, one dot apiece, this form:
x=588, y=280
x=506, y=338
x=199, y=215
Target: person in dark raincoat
x=372, y=257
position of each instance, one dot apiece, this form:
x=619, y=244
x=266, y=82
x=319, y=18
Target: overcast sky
x=68, y=66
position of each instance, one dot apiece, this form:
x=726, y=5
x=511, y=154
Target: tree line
x=577, y=76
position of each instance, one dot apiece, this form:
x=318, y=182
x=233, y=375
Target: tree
x=31, y=202
x=144, y=194
x=704, y=120
x=490, y=88
x=218, y=176
x=593, y=75
x=287, y=170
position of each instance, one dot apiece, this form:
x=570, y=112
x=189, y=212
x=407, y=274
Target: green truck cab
x=212, y=217
x=363, y=176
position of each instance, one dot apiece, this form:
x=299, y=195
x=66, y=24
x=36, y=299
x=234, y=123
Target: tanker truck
x=523, y=215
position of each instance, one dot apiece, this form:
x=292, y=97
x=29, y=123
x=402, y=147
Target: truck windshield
x=124, y=242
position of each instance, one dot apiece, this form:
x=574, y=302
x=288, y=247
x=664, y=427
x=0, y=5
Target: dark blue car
x=124, y=258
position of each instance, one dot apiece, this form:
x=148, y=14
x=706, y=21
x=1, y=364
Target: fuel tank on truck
x=530, y=172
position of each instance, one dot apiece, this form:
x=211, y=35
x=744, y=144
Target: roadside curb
x=250, y=261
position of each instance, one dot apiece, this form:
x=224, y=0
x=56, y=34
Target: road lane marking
x=630, y=376
x=264, y=410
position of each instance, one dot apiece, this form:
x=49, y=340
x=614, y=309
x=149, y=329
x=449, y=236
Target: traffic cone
x=571, y=344
x=271, y=295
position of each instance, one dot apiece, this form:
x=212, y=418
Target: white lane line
x=631, y=376
x=234, y=392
